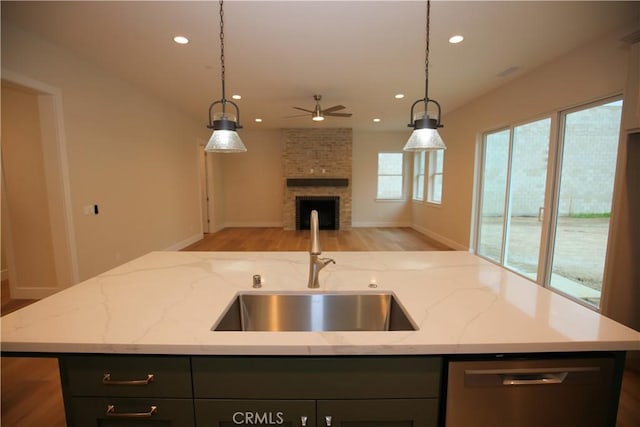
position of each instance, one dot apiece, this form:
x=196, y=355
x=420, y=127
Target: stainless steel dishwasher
x=532, y=393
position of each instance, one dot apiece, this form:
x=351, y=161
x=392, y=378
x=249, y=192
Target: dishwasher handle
x=524, y=379
x=523, y=376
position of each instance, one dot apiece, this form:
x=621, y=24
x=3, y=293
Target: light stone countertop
x=167, y=302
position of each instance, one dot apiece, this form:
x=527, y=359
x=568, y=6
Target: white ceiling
x=355, y=53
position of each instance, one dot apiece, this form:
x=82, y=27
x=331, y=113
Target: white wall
x=594, y=71
x=128, y=152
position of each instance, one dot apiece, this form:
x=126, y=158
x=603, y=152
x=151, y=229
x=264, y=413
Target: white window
x=436, y=162
x=418, y=175
x=390, y=167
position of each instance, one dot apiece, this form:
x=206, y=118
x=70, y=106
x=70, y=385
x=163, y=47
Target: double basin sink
x=270, y=312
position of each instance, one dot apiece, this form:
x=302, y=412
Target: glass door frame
x=550, y=176
x=551, y=198
x=554, y=203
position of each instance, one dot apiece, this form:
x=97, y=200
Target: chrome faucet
x=315, y=262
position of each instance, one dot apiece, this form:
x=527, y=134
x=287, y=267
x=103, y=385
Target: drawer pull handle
x=111, y=412
x=303, y=421
x=327, y=419
x=106, y=379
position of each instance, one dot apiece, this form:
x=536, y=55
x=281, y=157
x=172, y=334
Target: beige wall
x=367, y=211
x=594, y=71
x=249, y=186
x=128, y=152
x=26, y=225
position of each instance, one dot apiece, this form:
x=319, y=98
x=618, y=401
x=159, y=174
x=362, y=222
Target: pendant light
x=425, y=135
x=224, y=139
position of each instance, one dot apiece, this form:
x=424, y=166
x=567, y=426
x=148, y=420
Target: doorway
x=37, y=237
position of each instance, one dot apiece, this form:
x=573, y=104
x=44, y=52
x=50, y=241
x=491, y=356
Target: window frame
x=433, y=172
x=419, y=159
x=401, y=196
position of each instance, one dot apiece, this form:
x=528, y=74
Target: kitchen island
x=160, y=309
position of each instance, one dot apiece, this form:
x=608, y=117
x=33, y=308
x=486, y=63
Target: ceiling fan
x=318, y=114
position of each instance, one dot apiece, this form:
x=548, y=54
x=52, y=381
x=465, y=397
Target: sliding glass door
x=549, y=220
x=512, y=195
x=494, y=190
x=589, y=148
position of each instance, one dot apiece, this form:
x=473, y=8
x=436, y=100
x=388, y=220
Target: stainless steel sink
x=378, y=311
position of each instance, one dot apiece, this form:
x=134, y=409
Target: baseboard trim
x=364, y=224
x=439, y=238
x=274, y=224
x=186, y=242
x=33, y=292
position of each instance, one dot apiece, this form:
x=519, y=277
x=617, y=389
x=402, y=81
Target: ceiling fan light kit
x=425, y=136
x=318, y=114
x=224, y=138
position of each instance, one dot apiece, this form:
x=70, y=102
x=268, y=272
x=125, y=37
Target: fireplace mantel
x=317, y=182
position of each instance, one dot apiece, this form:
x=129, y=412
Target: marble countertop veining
x=167, y=302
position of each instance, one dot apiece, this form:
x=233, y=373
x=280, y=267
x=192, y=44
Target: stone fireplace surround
x=317, y=162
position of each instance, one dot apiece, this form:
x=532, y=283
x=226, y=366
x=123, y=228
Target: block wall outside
x=588, y=167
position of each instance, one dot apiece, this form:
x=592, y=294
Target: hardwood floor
x=277, y=239
x=30, y=389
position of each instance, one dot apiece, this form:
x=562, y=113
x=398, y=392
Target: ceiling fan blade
x=304, y=109
x=297, y=115
x=337, y=114
x=334, y=108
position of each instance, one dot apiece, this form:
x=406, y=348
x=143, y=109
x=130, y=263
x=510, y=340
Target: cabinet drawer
x=127, y=376
x=341, y=377
x=224, y=412
x=106, y=412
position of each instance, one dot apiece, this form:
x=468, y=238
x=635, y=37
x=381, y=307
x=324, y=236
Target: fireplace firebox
x=328, y=208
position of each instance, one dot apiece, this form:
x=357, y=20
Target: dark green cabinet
x=132, y=391
x=235, y=391
x=378, y=413
x=343, y=391
x=231, y=413
x=130, y=412
x=320, y=413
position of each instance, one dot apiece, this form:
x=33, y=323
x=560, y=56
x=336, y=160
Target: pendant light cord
x=426, y=56
x=222, y=69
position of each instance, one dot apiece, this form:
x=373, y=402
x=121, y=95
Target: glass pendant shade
x=227, y=141
x=224, y=139
x=424, y=139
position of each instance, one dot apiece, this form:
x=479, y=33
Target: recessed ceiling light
x=456, y=39
x=399, y=95
x=376, y=120
x=258, y=120
x=236, y=96
x=181, y=39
